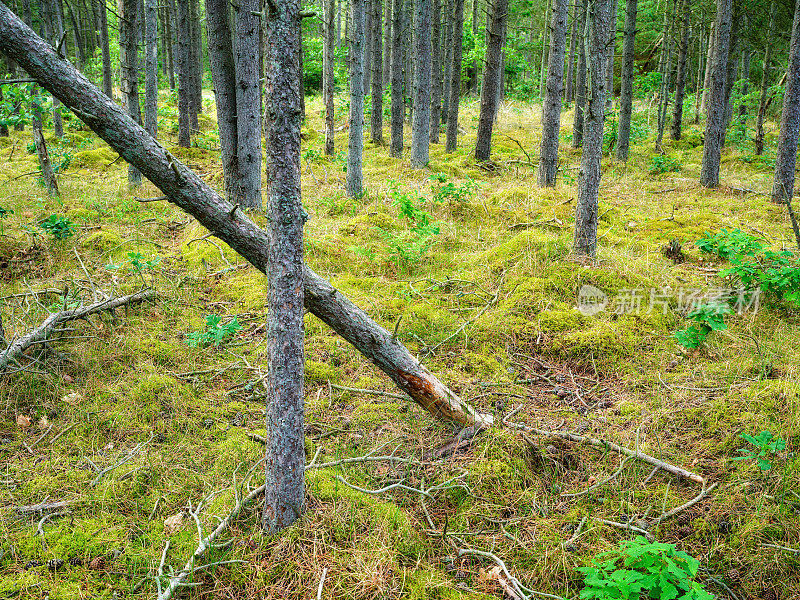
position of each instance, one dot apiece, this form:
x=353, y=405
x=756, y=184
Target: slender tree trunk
x=491, y=79
x=3, y=133
x=387, y=43
x=712, y=43
x=355, y=185
x=454, y=88
x=715, y=123
x=545, y=43
x=368, y=37
x=129, y=65
x=551, y=111
x=680, y=80
x=376, y=116
x=666, y=74
x=626, y=86
x=580, y=77
x=171, y=23
x=196, y=100
x=285, y=439
x=77, y=37
x=698, y=86
x=786, y=159
x=731, y=75
x=421, y=120
x=398, y=105
x=762, y=101
x=436, y=75
x=447, y=55
x=612, y=44
x=44, y=159
x=598, y=19
x=186, y=190
x=569, y=93
x=745, y=83
x=56, y=24
x=151, y=69
x=182, y=35
x=327, y=74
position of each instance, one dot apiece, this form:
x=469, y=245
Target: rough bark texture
x=129, y=67
x=698, y=85
x=329, y=41
x=436, y=74
x=186, y=190
x=551, y=110
x=570, y=85
x=612, y=46
x=598, y=27
x=108, y=81
x=680, y=78
x=387, y=43
x=398, y=107
x=376, y=114
x=545, y=43
x=762, y=101
x=355, y=145
x=447, y=54
x=580, y=77
x=44, y=159
x=285, y=439
x=195, y=71
x=491, y=79
x=151, y=68
x=712, y=40
x=248, y=102
x=56, y=23
x=182, y=35
x=455, y=76
x=421, y=119
x=626, y=86
x=666, y=74
x=786, y=159
x=745, y=77
x=223, y=75
x=715, y=123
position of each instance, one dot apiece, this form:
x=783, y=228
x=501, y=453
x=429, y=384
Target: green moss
x=320, y=372
x=97, y=158
x=369, y=222
x=556, y=321
x=104, y=240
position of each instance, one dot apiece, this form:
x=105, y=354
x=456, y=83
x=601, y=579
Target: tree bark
x=626, y=86
x=421, y=119
x=55, y=22
x=786, y=159
x=437, y=78
x=598, y=19
x=44, y=159
x=698, y=85
x=551, y=110
x=355, y=146
x=108, y=81
x=580, y=76
x=387, y=43
x=545, y=43
x=398, y=106
x=712, y=42
x=182, y=35
x=715, y=123
x=680, y=79
x=285, y=438
x=612, y=45
x=129, y=66
x=187, y=191
x=327, y=74
x=491, y=80
x=666, y=73
x=570, y=85
x=376, y=116
x=195, y=72
x=248, y=103
x=762, y=101
x=447, y=54
x=454, y=87
x=151, y=69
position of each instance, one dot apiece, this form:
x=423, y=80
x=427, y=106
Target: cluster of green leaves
x=661, y=163
x=640, y=569
x=407, y=248
x=58, y=227
x=4, y=213
x=706, y=318
x=136, y=263
x=19, y=103
x=451, y=192
x=765, y=447
x=214, y=333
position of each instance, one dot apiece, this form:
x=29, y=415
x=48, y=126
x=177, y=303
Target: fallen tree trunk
x=186, y=190
x=17, y=347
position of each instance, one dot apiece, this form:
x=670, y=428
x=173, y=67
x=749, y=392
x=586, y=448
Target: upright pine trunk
x=712, y=42
x=376, y=117
x=421, y=119
x=762, y=101
x=454, y=72
x=666, y=74
x=108, y=80
x=182, y=36
x=551, y=110
x=447, y=54
x=284, y=498
x=786, y=159
x=570, y=85
x=698, y=85
x=196, y=75
x=329, y=33
x=491, y=79
x=545, y=42
x=398, y=106
x=129, y=66
x=580, y=77
x=436, y=74
x=248, y=102
x=612, y=45
x=680, y=79
x=715, y=123
x=151, y=68
x=598, y=26
x=626, y=86
x=387, y=43
x=355, y=186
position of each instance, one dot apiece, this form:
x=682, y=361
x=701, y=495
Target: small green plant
x=4, y=213
x=765, y=447
x=60, y=228
x=450, y=192
x=214, y=332
x=730, y=245
x=662, y=163
x=138, y=263
x=707, y=318
x=640, y=569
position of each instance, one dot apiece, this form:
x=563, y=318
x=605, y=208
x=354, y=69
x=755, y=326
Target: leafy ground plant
x=707, y=318
x=60, y=228
x=214, y=333
x=763, y=449
x=663, y=164
x=639, y=569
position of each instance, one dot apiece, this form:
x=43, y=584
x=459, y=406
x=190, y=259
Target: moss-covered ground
x=501, y=263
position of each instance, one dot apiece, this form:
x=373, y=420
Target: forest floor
x=487, y=292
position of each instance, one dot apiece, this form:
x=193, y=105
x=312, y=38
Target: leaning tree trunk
x=398, y=106
x=223, y=75
x=680, y=79
x=129, y=66
x=598, y=19
x=151, y=68
x=327, y=74
x=355, y=146
x=421, y=119
x=187, y=191
x=551, y=111
x=436, y=75
x=580, y=76
x=786, y=159
x=715, y=123
x=491, y=80
x=570, y=85
x=762, y=101
x=454, y=87
x=248, y=102
x=626, y=86
x=285, y=441
x=376, y=116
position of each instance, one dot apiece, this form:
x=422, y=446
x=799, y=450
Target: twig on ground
x=368, y=392
x=42, y=507
x=671, y=513
x=63, y=432
x=321, y=583
x=600, y=483
x=130, y=455
x=779, y=547
x=650, y=537
x=576, y=533
x=46, y=518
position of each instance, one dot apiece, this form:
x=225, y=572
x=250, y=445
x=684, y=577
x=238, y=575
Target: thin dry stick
x=671, y=513
x=600, y=483
x=577, y=532
x=130, y=455
x=368, y=392
x=629, y=527
x=321, y=583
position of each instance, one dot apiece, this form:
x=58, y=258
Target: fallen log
x=185, y=189
x=18, y=347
